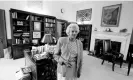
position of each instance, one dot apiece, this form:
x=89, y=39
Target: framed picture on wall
x=37, y=26
x=84, y=15
x=111, y=15
x=36, y=35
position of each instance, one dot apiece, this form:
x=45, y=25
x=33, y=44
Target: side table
x=44, y=69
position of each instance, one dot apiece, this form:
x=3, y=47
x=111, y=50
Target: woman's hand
x=78, y=75
x=68, y=64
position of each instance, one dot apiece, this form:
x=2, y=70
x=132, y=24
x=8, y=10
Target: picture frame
x=36, y=34
x=84, y=15
x=111, y=15
x=37, y=26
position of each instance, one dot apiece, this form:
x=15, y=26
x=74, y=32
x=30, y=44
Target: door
x=3, y=36
x=1, y=49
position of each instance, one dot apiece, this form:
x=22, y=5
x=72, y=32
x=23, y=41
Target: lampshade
x=47, y=38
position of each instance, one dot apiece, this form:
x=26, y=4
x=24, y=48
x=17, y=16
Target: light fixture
x=47, y=39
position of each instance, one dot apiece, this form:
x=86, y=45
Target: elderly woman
x=68, y=54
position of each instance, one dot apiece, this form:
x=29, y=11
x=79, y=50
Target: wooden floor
x=92, y=69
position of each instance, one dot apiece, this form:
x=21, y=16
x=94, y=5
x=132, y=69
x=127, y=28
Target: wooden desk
x=44, y=69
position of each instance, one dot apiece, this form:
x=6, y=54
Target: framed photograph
x=37, y=26
x=111, y=15
x=36, y=35
x=84, y=15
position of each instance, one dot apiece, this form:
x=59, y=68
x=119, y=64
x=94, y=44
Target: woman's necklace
x=72, y=39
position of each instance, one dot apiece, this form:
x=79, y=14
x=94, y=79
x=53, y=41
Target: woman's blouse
x=73, y=50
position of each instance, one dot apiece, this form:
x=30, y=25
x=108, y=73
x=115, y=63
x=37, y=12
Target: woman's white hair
x=71, y=26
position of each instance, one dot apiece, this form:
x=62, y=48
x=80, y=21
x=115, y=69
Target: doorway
x=3, y=36
x=61, y=28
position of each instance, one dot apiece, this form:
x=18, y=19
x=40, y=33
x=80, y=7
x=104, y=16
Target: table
x=44, y=69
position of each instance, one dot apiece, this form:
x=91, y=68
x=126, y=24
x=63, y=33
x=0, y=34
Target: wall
x=56, y=6
x=126, y=18
x=53, y=8
x=131, y=40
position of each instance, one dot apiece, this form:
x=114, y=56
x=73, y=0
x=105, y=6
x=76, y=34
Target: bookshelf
x=64, y=25
x=85, y=35
x=20, y=31
x=28, y=28
x=37, y=28
x=50, y=25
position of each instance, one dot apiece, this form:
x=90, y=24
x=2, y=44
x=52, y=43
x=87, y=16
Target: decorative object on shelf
x=26, y=41
x=35, y=41
x=84, y=15
x=95, y=29
x=20, y=23
x=111, y=15
x=108, y=30
x=123, y=30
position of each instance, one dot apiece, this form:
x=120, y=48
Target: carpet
x=117, y=68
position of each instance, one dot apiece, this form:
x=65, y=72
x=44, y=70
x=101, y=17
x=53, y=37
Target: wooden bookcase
x=62, y=25
x=85, y=35
x=50, y=25
x=28, y=28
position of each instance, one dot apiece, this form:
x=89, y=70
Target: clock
x=62, y=10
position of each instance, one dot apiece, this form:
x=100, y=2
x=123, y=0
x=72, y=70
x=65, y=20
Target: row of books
x=50, y=25
x=36, y=18
x=15, y=15
x=21, y=34
x=50, y=20
x=22, y=41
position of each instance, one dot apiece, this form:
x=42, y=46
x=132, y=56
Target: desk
x=44, y=69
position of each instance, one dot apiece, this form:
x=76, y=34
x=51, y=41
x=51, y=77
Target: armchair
x=130, y=62
x=110, y=55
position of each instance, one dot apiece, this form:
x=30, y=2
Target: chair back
x=131, y=56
